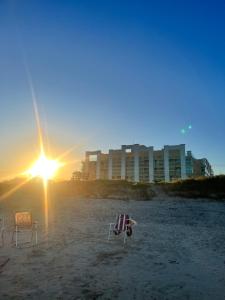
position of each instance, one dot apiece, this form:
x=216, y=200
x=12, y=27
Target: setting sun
x=44, y=167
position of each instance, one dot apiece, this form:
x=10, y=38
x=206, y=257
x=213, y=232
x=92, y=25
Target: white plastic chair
x=24, y=223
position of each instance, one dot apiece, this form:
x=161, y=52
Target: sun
x=44, y=167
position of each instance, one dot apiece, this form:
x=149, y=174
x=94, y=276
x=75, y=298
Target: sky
x=107, y=73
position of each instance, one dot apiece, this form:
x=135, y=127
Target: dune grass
x=213, y=187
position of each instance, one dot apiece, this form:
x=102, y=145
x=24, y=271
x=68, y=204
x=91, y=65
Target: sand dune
x=177, y=251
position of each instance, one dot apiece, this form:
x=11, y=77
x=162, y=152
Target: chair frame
x=112, y=227
x=2, y=230
x=32, y=227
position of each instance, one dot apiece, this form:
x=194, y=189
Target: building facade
x=197, y=167
x=138, y=163
x=76, y=176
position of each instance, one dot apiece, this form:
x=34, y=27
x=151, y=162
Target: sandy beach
x=177, y=251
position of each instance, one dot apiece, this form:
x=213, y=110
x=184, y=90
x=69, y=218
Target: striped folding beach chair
x=25, y=224
x=122, y=225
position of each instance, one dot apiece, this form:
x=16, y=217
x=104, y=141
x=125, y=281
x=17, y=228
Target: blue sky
x=108, y=73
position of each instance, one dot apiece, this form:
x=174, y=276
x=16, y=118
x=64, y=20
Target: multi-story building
x=76, y=176
x=138, y=163
x=197, y=167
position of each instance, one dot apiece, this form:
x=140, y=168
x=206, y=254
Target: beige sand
x=177, y=252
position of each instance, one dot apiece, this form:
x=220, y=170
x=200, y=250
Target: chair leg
x=16, y=237
x=2, y=238
x=109, y=232
x=125, y=236
x=36, y=239
x=32, y=236
x=12, y=240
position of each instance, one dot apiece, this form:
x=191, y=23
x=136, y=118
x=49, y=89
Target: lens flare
x=186, y=129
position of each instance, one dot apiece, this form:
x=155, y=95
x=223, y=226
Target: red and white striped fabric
x=121, y=223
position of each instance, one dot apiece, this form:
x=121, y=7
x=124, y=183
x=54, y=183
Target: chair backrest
x=122, y=222
x=23, y=219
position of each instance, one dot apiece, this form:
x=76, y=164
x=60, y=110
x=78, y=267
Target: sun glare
x=44, y=167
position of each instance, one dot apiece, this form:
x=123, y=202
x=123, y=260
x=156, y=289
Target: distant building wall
x=201, y=167
x=76, y=176
x=139, y=163
x=197, y=167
